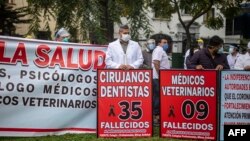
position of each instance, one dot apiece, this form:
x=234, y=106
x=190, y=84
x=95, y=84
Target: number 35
x=130, y=110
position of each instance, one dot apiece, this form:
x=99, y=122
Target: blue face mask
x=151, y=46
x=220, y=51
x=165, y=47
x=65, y=39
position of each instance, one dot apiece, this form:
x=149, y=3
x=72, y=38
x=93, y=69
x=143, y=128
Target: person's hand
x=199, y=67
x=129, y=67
x=123, y=67
x=219, y=67
x=247, y=68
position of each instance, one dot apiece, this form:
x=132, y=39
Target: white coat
x=115, y=55
x=232, y=60
x=242, y=61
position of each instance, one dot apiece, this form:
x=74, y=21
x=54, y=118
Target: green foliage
x=193, y=7
x=163, y=8
x=136, y=13
x=215, y=23
x=91, y=19
x=94, y=19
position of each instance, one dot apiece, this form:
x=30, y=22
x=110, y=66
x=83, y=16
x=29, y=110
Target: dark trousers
x=156, y=97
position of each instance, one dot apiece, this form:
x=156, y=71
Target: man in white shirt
x=124, y=53
x=233, y=54
x=243, y=61
x=159, y=61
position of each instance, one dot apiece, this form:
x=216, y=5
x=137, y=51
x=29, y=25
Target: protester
x=124, y=53
x=211, y=57
x=147, y=53
x=233, y=54
x=62, y=35
x=195, y=46
x=159, y=61
x=243, y=61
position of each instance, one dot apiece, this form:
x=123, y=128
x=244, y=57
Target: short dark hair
x=235, y=46
x=124, y=26
x=160, y=37
x=215, y=41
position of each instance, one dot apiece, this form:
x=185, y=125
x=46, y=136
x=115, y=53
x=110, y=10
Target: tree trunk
x=188, y=43
x=2, y=18
x=107, y=24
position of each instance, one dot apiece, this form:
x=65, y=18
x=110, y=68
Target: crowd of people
x=127, y=54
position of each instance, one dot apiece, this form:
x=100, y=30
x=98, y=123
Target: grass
x=86, y=137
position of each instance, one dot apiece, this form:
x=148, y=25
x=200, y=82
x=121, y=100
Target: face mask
x=165, y=47
x=126, y=37
x=201, y=45
x=220, y=51
x=230, y=50
x=151, y=46
x=65, y=39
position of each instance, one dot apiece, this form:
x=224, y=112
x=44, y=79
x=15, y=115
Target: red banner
x=124, y=103
x=188, y=104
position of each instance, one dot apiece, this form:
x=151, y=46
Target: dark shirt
x=147, y=56
x=204, y=58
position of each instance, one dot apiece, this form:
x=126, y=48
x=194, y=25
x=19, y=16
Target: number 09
x=189, y=108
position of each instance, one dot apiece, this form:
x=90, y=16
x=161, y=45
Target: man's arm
x=247, y=68
x=193, y=62
x=157, y=65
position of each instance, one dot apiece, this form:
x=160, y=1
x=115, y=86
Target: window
x=229, y=26
x=186, y=11
x=233, y=26
x=237, y=26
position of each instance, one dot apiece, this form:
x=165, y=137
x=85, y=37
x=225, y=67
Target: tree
x=197, y=8
x=92, y=19
x=9, y=17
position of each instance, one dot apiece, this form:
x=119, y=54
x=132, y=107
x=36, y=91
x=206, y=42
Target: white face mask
x=126, y=37
x=200, y=45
